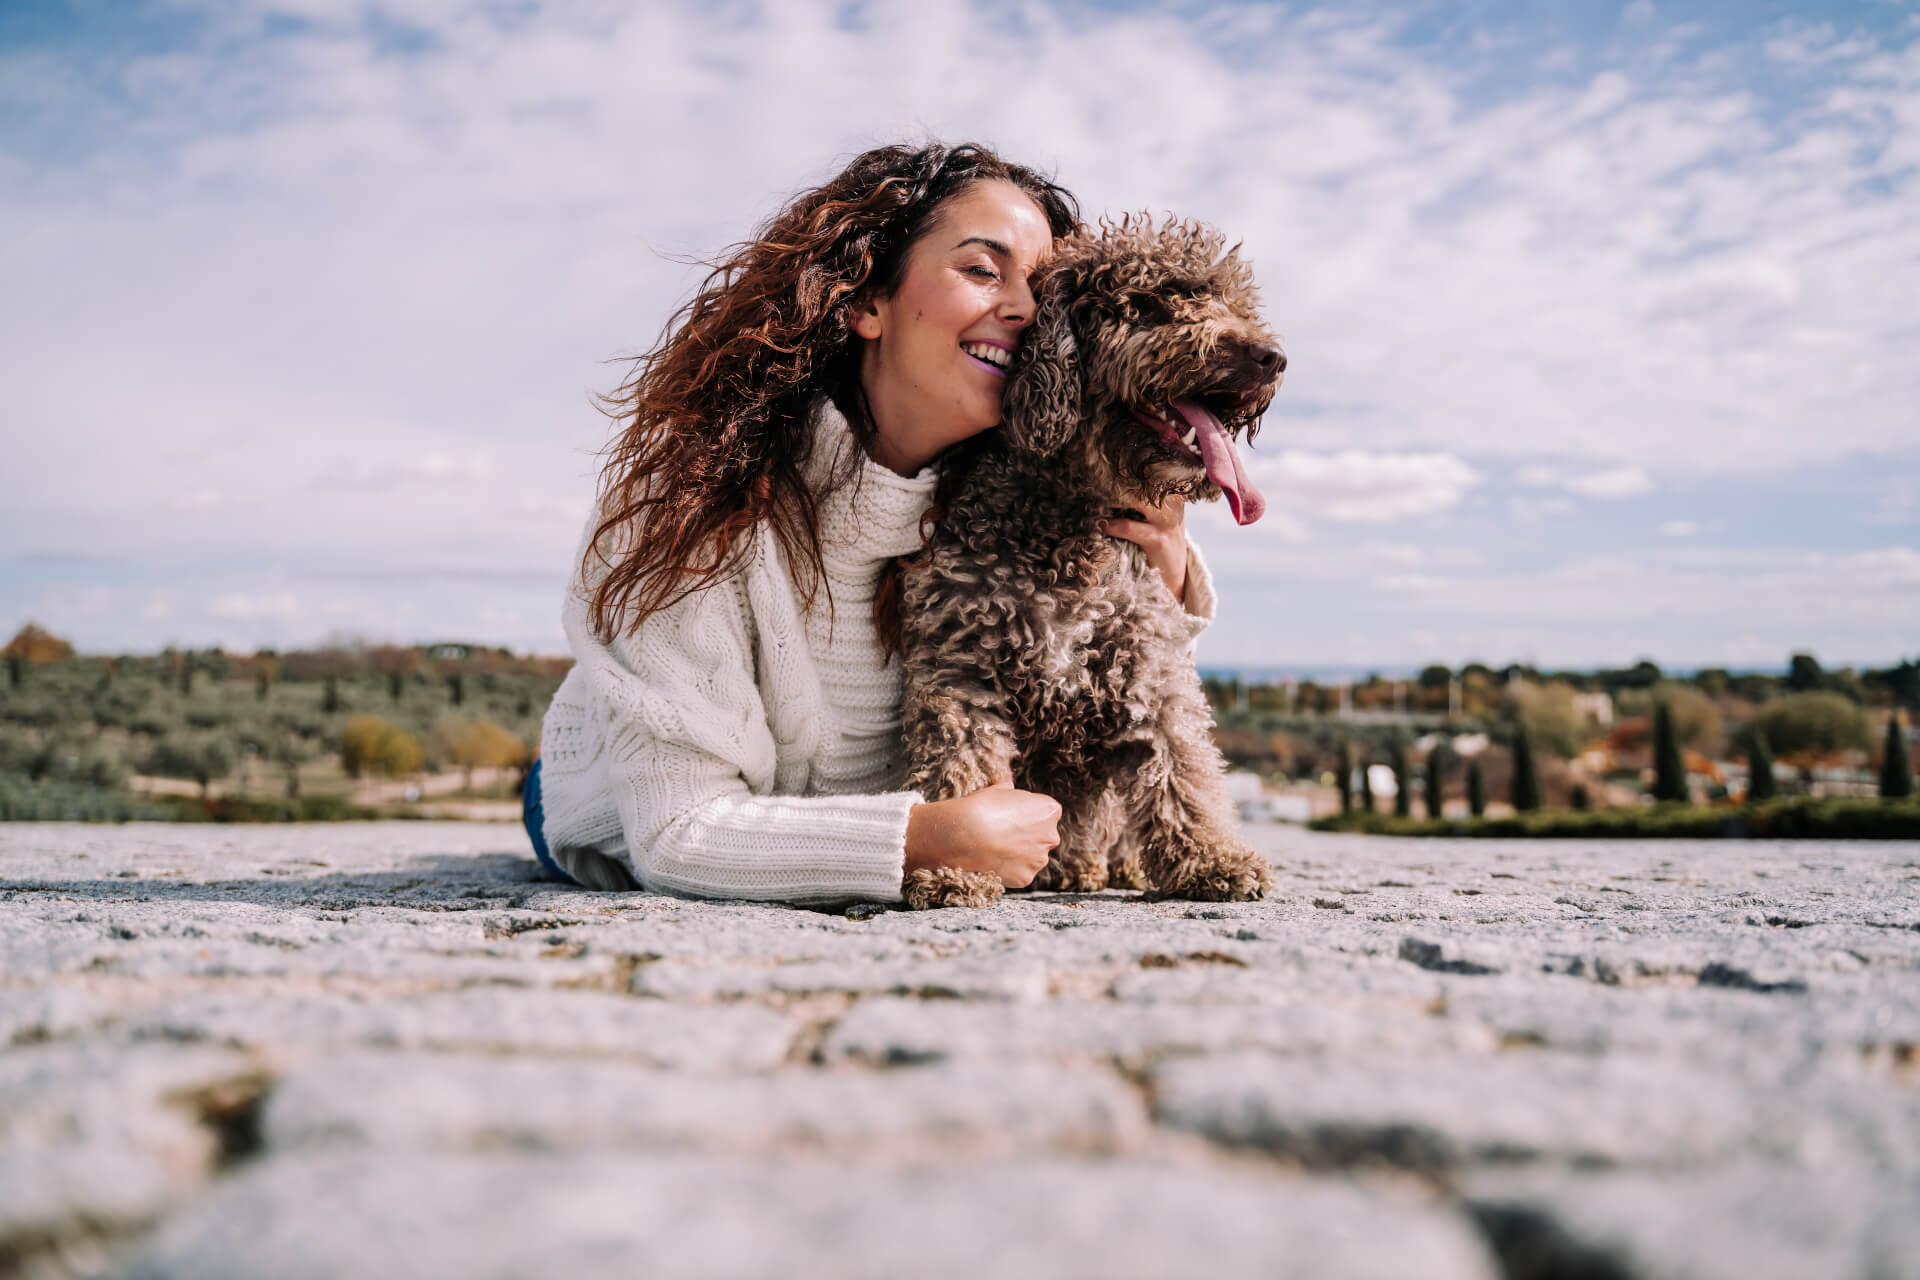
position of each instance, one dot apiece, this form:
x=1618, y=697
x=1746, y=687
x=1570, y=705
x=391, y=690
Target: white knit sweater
x=734, y=745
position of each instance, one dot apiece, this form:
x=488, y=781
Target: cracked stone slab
x=726, y=1038
x=887, y=1030
x=501, y=1215
x=1741, y=1222
x=1444, y=1114
x=458, y=1103
x=987, y=978
x=100, y=1138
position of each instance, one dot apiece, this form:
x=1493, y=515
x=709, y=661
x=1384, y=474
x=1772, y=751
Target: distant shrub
x=1812, y=724
x=22, y=800
x=373, y=744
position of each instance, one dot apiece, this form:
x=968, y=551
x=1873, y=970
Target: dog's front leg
x=956, y=744
x=1191, y=847
x=1089, y=829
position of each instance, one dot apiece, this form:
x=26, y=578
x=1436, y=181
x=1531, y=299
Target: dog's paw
x=927, y=888
x=1236, y=875
x=1077, y=877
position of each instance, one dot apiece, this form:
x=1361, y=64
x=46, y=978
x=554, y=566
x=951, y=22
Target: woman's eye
x=985, y=273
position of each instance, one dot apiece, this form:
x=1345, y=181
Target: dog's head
x=1146, y=358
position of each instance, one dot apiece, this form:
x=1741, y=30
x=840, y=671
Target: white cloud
x=1679, y=529
x=1617, y=482
x=1534, y=510
x=248, y=608
x=1363, y=488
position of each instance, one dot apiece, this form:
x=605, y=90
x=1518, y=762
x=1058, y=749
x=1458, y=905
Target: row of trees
x=1670, y=784
x=1477, y=690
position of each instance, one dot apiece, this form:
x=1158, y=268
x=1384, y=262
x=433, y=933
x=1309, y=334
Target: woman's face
x=937, y=351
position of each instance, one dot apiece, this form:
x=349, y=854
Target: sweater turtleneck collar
x=866, y=511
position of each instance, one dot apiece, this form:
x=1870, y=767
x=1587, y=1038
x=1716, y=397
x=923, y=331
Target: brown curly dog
x=1038, y=648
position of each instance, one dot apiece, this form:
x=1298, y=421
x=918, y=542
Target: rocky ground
x=389, y=1050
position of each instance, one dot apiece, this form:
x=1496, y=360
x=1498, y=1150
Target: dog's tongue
x=1222, y=463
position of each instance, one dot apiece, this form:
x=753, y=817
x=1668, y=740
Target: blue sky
x=1599, y=315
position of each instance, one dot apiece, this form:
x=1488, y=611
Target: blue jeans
x=531, y=815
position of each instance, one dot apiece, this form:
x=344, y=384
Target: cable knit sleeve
x=679, y=733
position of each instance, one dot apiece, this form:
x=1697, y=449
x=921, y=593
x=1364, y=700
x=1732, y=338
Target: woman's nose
x=1017, y=305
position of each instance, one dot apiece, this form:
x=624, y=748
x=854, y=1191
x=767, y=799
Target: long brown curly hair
x=714, y=418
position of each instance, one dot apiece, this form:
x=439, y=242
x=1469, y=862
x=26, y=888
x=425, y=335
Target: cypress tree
x=330, y=695
x=1476, y=789
x=1436, y=780
x=396, y=685
x=1760, y=785
x=1366, y=786
x=1896, y=770
x=16, y=670
x=1344, y=779
x=1402, y=782
x=1669, y=769
x=1526, y=779
x=1580, y=799
x=457, y=688
x=262, y=684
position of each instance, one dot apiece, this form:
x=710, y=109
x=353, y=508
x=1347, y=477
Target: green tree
x=200, y=758
x=1669, y=768
x=1476, y=789
x=456, y=688
x=1760, y=784
x=1547, y=711
x=1343, y=777
x=1402, y=780
x=1804, y=673
x=330, y=695
x=1436, y=780
x=1896, y=770
x=1812, y=725
x=1366, y=785
x=1526, y=777
x=1580, y=799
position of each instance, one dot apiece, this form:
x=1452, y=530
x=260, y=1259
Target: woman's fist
x=998, y=829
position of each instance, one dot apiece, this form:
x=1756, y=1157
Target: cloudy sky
x=1601, y=317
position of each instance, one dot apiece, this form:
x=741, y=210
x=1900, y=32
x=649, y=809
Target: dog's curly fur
x=1040, y=649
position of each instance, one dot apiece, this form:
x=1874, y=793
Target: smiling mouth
x=993, y=358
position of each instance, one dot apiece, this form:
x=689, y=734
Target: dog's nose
x=1266, y=358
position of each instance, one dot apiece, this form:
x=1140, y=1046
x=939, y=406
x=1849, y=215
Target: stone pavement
x=388, y=1050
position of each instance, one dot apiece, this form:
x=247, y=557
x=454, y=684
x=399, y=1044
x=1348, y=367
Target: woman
x=731, y=725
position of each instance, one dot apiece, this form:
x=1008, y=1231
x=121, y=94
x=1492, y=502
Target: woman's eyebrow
x=994, y=245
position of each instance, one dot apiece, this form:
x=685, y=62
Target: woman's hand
x=997, y=829
x=1163, y=536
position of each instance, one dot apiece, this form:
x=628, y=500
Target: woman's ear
x=1040, y=408
x=863, y=317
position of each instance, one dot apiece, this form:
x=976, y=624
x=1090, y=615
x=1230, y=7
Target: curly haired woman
x=731, y=727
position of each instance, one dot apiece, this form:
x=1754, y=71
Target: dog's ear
x=1041, y=405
